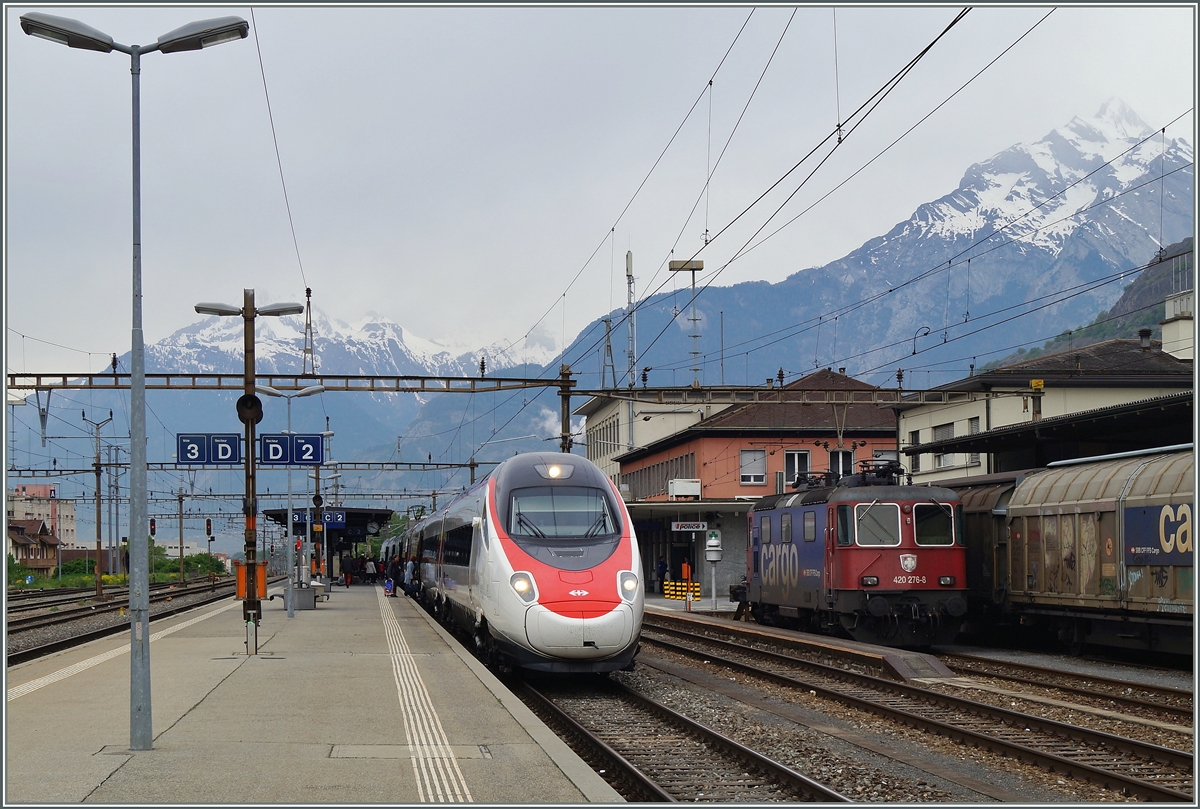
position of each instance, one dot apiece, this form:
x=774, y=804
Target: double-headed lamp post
x=291, y=551
x=249, y=410
x=191, y=37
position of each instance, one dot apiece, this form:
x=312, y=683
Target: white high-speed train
x=538, y=562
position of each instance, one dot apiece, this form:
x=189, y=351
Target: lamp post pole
x=190, y=37
x=290, y=552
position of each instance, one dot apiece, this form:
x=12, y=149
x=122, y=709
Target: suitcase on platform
x=389, y=586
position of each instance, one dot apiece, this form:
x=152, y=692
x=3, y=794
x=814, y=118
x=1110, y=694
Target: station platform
x=364, y=699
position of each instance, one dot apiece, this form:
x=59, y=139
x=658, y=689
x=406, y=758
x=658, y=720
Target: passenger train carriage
x=869, y=558
x=539, y=563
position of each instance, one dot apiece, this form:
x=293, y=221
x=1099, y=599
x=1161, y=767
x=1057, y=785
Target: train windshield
x=878, y=523
x=934, y=524
x=561, y=512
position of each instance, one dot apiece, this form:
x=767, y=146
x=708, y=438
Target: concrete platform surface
x=364, y=700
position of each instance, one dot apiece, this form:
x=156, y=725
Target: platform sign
x=331, y=518
x=208, y=448
x=308, y=450
x=283, y=449
x=225, y=448
x=275, y=449
x=191, y=448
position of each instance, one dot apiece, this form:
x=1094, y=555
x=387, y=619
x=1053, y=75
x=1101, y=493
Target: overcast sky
x=454, y=169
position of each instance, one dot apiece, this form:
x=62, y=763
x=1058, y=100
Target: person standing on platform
x=662, y=572
x=370, y=570
x=410, y=581
x=396, y=574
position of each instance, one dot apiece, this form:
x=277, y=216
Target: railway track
x=21, y=648
x=652, y=753
x=1175, y=703
x=32, y=601
x=158, y=594
x=1149, y=772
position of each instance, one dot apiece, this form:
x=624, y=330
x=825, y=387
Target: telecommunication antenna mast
x=308, y=361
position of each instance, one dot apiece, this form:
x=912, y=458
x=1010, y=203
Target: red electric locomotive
x=867, y=558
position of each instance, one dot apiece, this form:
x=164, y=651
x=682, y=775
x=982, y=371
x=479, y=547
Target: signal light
x=151, y=526
x=208, y=526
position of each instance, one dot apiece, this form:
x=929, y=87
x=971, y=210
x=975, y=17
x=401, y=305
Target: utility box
x=260, y=569
x=304, y=598
x=683, y=487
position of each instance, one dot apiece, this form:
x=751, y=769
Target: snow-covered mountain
x=370, y=346
x=1033, y=241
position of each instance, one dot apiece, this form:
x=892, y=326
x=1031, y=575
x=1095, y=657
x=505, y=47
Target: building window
x=795, y=463
x=973, y=429
x=841, y=462
x=943, y=432
x=914, y=438
x=754, y=467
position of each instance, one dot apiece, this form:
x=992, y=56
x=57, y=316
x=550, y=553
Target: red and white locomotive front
x=565, y=572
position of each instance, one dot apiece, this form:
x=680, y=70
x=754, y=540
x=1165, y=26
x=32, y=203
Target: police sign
x=689, y=526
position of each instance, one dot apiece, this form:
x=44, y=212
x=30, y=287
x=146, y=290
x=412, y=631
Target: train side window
x=765, y=530
x=877, y=524
x=934, y=524
x=810, y=526
x=457, y=550
x=785, y=527
x=845, y=535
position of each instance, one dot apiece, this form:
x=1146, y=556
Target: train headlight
x=627, y=582
x=555, y=471
x=946, y=581
x=522, y=584
x=869, y=581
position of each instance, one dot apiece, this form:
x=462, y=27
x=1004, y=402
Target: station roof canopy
x=1153, y=422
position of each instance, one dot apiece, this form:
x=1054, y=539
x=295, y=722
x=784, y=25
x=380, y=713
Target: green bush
x=16, y=572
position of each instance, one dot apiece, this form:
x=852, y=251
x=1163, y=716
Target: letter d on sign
x=274, y=452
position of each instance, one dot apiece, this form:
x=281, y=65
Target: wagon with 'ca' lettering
x=1095, y=551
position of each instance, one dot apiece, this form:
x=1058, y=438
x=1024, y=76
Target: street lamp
x=193, y=36
x=291, y=551
x=249, y=410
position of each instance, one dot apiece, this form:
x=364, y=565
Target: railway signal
x=151, y=526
